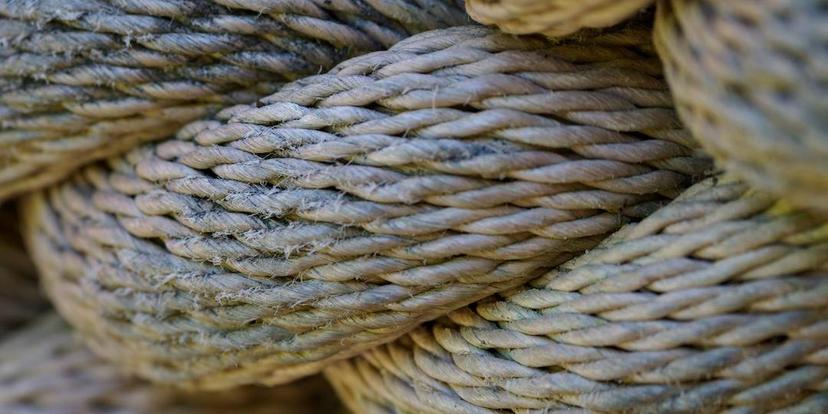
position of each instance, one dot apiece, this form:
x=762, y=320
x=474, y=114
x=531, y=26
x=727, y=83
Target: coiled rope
x=750, y=81
x=552, y=17
x=86, y=79
x=45, y=369
x=354, y=205
x=715, y=303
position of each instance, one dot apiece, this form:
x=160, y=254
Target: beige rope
x=44, y=369
x=357, y=204
x=20, y=300
x=715, y=303
x=750, y=81
x=86, y=79
x=552, y=17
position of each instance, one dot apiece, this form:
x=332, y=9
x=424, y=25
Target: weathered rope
x=750, y=80
x=357, y=204
x=20, y=300
x=85, y=79
x=44, y=369
x=715, y=303
x=552, y=17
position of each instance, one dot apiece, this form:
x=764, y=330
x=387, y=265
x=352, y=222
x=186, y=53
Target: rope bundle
x=20, y=300
x=750, y=81
x=354, y=205
x=44, y=369
x=552, y=17
x=715, y=303
x=85, y=79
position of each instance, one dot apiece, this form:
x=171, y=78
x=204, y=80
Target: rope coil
x=44, y=369
x=82, y=80
x=750, y=82
x=714, y=303
x=354, y=205
x=553, y=18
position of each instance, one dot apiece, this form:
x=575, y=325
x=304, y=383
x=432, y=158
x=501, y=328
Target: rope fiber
x=82, y=80
x=45, y=369
x=750, y=82
x=714, y=303
x=554, y=18
x=349, y=207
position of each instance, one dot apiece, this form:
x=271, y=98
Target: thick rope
x=552, y=17
x=357, y=204
x=20, y=300
x=86, y=79
x=44, y=369
x=715, y=303
x=750, y=80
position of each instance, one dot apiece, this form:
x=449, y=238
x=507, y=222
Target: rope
x=552, y=17
x=83, y=80
x=352, y=206
x=20, y=300
x=45, y=369
x=714, y=303
x=750, y=84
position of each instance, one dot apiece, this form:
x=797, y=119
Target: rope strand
x=263, y=244
x=714, y=303
x=85, y=80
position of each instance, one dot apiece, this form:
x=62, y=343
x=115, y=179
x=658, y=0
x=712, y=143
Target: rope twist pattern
x=45, y=369
x=553, y=18
x=714, y=303
x=82, y=80
x=351, y=206
x=750, y=83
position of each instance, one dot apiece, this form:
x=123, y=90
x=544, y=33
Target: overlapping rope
x=715, y=303
x=354, y=205
x=44, y=369
x=750, y=81
x=553, y=17
x=85, y=79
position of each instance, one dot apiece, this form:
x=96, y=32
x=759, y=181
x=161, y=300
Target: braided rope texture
x=20, y=300
x=715, y=303
x=44, y=369
x=750, y=81
x=352, y=206
x=86, y=79
x=553, y=18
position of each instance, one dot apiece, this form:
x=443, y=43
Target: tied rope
x=45, y=369
x=352, y=206
x=86, y=79
x=715, y=303
x=750, y=81
x=552, y=17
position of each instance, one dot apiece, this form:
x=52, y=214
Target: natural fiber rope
x=85, y=79
x=552, y=17
x=44, y=369
x=357, y=204
x=750, y=80
x=20, y=300
x=715, y=303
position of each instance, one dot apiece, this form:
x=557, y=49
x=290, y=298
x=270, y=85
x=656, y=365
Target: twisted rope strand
x=45, y=369
x=714, y=303
x=552, y=17
x=69, y=68
x=749, y=85
x=263, y=244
